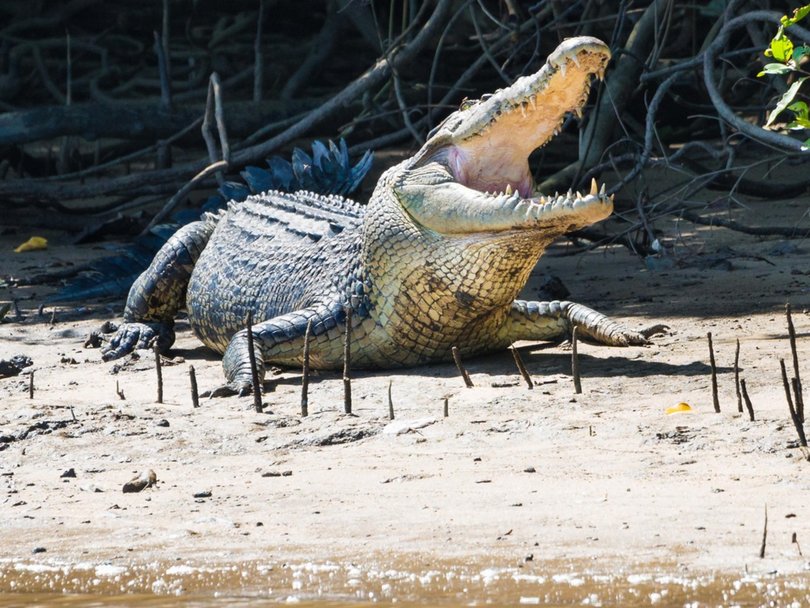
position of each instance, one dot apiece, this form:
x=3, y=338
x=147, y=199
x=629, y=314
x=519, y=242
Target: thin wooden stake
x=575, y=362
x=31, y=385
x=158, y=371
x=715, y=399
x=461, y=369
x=798, y=392
x=254, y=371
x=747, y=400
x=795, y=416
x=764, y=529
x=446, y=407
x=195, y=395
x=347, y=354
x=119, y=391
x=305, y=373
x=521, y=367
x=737, y=377
x=390, y=401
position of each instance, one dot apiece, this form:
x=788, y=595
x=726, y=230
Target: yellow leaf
x=677, y=409
x=32, y=244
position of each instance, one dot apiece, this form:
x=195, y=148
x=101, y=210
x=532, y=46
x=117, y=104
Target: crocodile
x=436, y=259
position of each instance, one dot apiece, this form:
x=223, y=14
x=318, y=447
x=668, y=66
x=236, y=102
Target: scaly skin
x=435, y=260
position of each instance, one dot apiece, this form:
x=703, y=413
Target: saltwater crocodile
x=435, y=260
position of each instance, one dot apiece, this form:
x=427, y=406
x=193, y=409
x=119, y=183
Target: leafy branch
x=788, y=61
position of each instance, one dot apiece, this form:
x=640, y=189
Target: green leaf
x=785, y=100
x=799, y=14
x=775, y=68
x=802, y=118
x=781, y=48
x=799, y=52
x=806, y=144
x=799, y=108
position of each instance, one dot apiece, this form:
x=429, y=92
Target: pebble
x=69, y=473
x=144, y=480
x=203, y=494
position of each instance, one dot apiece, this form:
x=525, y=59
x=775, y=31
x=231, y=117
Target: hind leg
x=159, y=293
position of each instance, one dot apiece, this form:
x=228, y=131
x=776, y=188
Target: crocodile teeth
x=533, y=103
x=523, y=110
x=508, y=189
x=594, y=187
x=602, y=191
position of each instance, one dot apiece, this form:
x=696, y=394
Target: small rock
x=13, y=366
x=530, y=470
x=203, y=494
x=145, y=480
x=276, y=473
x=93, y=340
x=39, y=550
x=162, y=422
x=69, y=473
x=108, y=327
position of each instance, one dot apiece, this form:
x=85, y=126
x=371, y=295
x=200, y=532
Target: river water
x=343, y=584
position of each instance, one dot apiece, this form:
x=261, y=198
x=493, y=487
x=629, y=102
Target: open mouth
x=491, y=147
x=485, y=147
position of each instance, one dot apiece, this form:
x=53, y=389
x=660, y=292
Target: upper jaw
x=487, y=144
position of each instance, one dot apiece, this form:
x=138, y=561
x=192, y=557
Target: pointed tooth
x=533, y=103
x=602, y=191
x=575, y=59
x=579, y=196
x=569, y=194
x=601, y=73
x=594, y=187
x=508, y=189
x=523, y=110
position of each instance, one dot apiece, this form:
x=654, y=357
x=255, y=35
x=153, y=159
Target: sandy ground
x=511, y=476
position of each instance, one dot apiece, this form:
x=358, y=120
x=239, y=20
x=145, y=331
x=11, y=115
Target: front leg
x=555, y=320
x=281, y=340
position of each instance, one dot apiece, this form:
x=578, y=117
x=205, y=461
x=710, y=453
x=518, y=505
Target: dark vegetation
x=115, y=113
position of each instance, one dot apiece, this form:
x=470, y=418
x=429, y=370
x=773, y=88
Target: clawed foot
x=616, y=335
x=134, y=336
x=240, y=389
